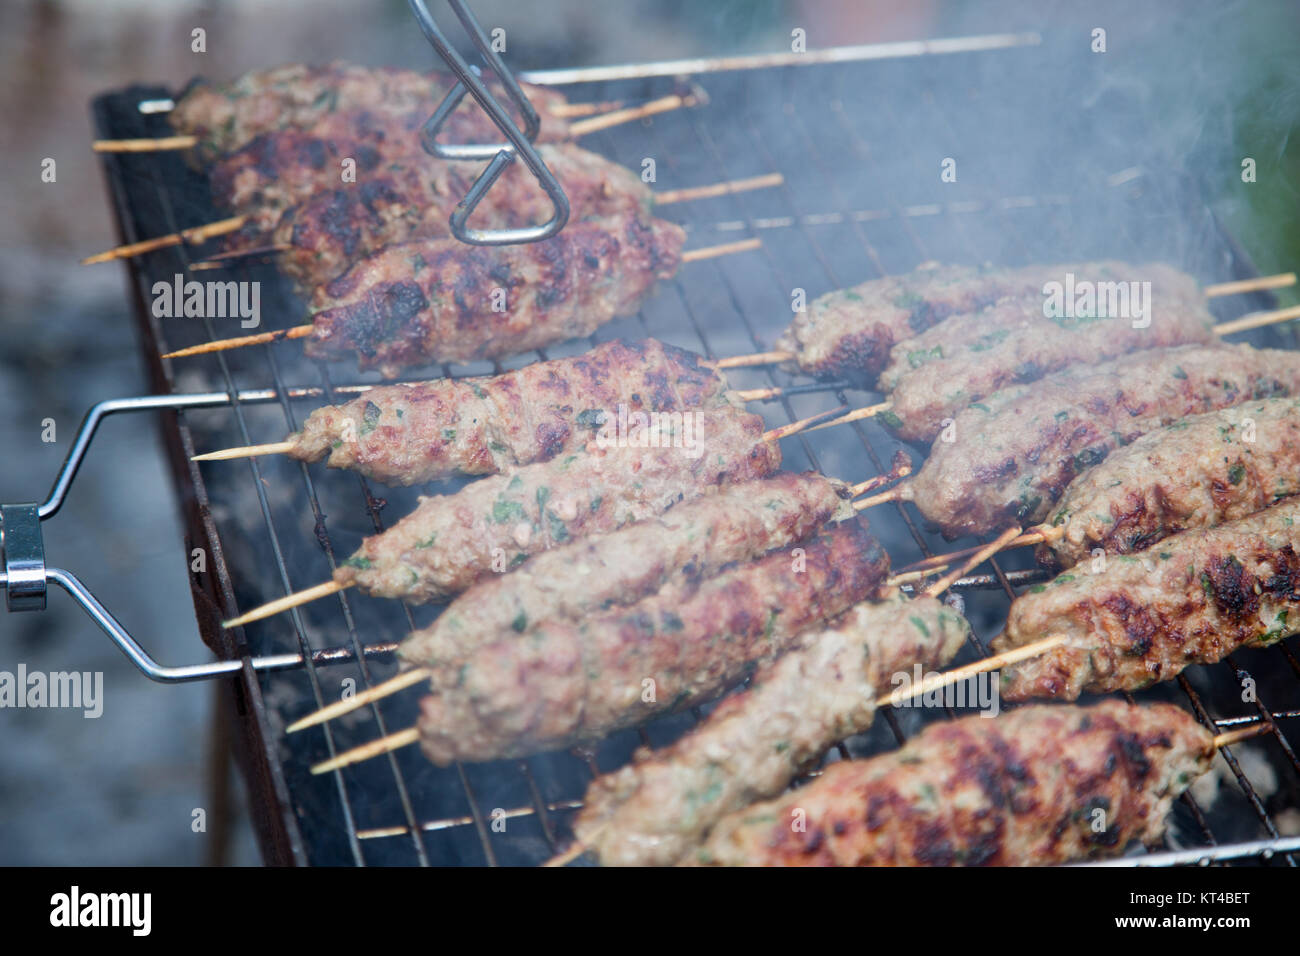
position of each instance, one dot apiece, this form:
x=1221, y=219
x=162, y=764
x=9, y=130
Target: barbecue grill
x=860, y=135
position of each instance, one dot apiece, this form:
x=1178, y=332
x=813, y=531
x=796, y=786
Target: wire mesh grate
x=860, y=147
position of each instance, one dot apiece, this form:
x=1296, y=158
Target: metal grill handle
x=503, y=154
x=25, y=577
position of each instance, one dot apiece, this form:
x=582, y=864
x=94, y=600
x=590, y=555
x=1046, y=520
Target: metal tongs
x=501, y=154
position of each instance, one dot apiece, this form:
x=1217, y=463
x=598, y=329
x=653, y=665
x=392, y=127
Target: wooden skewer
x=960, y=674
x=777, y=391
x=243, y=254
x=804, y=424
x=746, y=361
x=288, y=601
x=191, y=236
x=692, y=193
x=391, y=686
x=576, y=848
x=725, y=249
x=981, y=555
x=247, y=451
x=403, y=738
x=1039, y=535
x=578, y=110
x=261, y=338
x=1256, y=320
x=302, y=331
x=758, y=394
x=1242, y=733
x=221, y=260
x=692, y=255
x=869, y=411
x=1257, y=284
x=901, y=469
x=595, y=124
x=155, y=145
x=897, y=493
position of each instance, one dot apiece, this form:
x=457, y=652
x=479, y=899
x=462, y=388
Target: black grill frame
x=153, y=194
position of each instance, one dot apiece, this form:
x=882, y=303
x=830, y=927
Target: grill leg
x=219, y=759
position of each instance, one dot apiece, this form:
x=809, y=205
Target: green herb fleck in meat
x=370, y=418
x=911, y=301
x=1279, y=629
x=919, y=357
x=889, y=419
x=506, y=510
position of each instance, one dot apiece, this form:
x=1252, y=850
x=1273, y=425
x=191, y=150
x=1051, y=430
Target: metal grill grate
x=860, y=144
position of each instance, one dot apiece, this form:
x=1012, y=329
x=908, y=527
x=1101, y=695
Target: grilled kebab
x=227, y=116
x=441, y=301
x=1014, y=453
x=1028, y=788
x=695, y=538
x=655, y=810
x=450, y=542
x=963, y=359
x=1141, y=618
x=571, y=681
x=408, y=434
x=1200, y=471
x=849, y=333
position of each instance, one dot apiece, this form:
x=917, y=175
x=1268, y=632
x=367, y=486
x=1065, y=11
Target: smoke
x=1189, y=89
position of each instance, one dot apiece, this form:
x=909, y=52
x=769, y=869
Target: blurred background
x=1220, y=80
